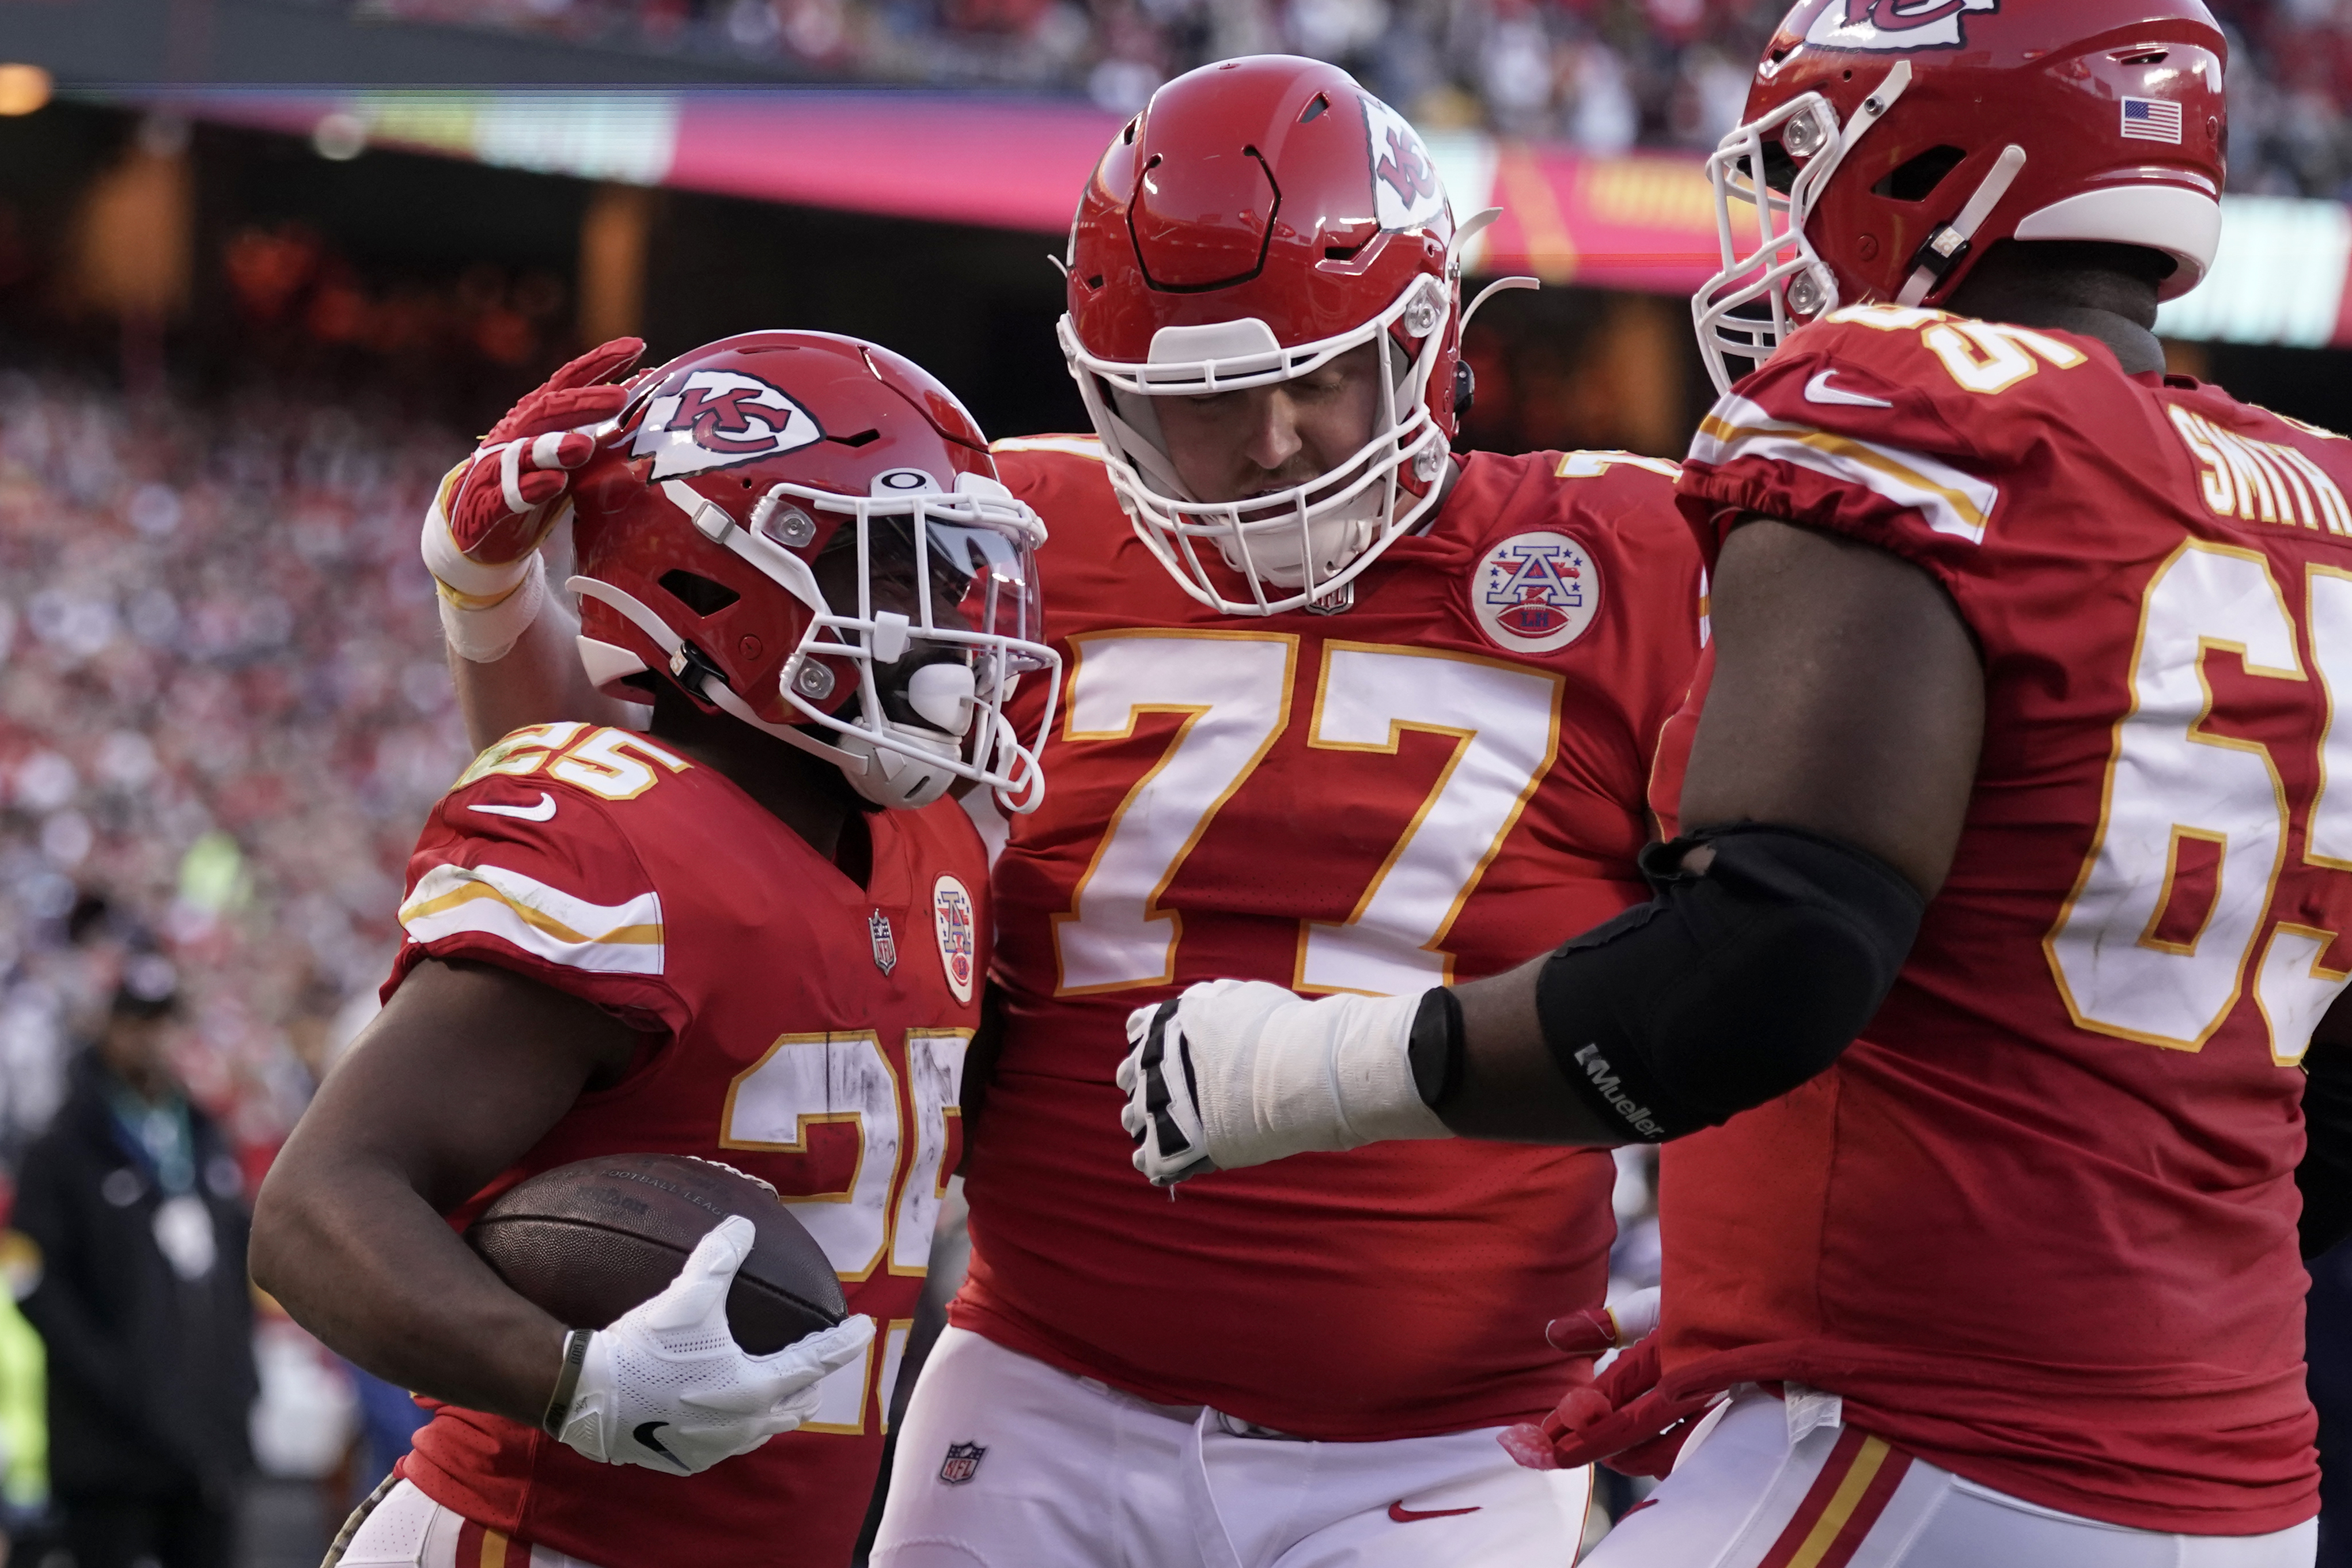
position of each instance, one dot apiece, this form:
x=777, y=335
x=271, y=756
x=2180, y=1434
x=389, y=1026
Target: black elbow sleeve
x=1732, y=985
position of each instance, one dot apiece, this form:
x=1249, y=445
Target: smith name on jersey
x=1433, y=785
x=799, y=1026
x=2039, y=1226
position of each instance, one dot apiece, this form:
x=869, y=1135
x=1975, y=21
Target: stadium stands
x=1601, y=75
x=220, y=706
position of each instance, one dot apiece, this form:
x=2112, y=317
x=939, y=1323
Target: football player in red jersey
x=1339, y=705
x=2015, y=760
x=703, y=939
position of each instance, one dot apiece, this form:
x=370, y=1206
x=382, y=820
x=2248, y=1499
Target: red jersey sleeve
x=1062, y=480
x=1888, y=425
x=535, y=876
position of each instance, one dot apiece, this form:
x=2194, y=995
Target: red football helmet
x=806, y=531
x=1888, y=145
x=1259, y=218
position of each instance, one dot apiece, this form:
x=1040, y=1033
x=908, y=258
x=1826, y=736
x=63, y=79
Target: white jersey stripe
x=1951, y=502
x=544, y=921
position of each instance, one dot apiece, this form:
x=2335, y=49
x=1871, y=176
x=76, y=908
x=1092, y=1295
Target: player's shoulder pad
x=604, y=762
x=527, y=852
x=1065, y=478
x=1627, y=475
x=1086, y=448
x=1623, y=493
x=1036, y=465
x=1896, y=409
x=1876, y=367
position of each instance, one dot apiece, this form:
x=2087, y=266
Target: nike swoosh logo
x=1403, y=1515
x=545, y=810
x=1819, y=390
x=646, y=1440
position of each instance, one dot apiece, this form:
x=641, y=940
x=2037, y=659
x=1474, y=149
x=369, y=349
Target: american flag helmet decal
x=2151, y=119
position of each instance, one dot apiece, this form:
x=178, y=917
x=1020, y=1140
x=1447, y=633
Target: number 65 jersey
x=2039, y=1226
x=798, y=1026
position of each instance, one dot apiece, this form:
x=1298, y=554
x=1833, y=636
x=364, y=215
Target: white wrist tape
x=488, y=633
x=452, y=567
x=1279, y=1075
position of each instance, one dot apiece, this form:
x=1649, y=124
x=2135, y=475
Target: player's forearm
x=1508, y=1087
x=354, y=1253
x=538, y=681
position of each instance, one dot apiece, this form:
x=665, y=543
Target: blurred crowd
x=1601, y=74
x=223, y=717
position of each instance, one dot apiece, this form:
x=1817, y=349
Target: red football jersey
x=810, y=1031
x=2039, y=1226
x=1436, y=784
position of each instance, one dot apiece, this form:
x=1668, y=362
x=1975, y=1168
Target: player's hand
x=1596, y=1330
x=1239, y=1072
x=1619, y=1419
x=495, y=507
x=667, y=1387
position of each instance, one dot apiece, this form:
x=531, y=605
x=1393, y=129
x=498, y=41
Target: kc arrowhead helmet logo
x=1406, y=191
x=716, y=418
x=1893, y=24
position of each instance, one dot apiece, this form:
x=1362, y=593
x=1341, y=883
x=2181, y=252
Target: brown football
x=590, y=1240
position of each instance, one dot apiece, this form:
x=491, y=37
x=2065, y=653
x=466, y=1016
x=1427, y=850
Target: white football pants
x=1784, y=1482
x=1005, y=1462
x=405, y=1529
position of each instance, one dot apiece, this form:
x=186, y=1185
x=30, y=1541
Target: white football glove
x=1239, y=1072
x=666, y=1386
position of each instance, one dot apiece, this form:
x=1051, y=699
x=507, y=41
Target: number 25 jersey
x=800, y=1027
x=1438, y=783
x=2039, y=1225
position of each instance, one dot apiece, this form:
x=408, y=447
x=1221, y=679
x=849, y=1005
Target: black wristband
x=567, y=1382
x=1434, y=1047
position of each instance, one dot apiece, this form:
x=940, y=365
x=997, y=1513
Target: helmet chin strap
x=716, y=692
x=1946, y=245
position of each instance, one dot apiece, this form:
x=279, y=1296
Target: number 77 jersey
x=1437, y=785
x=2039, y=1226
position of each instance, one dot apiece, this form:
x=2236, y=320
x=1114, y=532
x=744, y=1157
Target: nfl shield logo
x=962, y=1463
x=886, y=946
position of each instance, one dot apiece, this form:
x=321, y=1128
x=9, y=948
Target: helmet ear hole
x=1916, y=178
x=697, y=592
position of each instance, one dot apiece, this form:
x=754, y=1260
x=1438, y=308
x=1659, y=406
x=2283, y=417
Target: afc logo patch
x=962, y=1463
x=886, y=946
x=710, y=420
x=959, y=943
x=1535, y=592
x=1893, y=24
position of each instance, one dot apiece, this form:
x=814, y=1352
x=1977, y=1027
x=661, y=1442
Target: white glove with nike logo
x=666, y=1386
x=1239, y=1072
